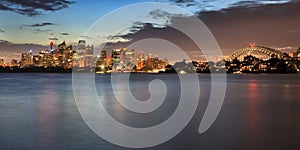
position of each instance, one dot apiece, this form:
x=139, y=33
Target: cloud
x=198, y=6
x=90, y=38
x=53, y=39
x=182, y=1
x=156, y=18
x=41, y=31
x=250, y=4
x=236, y=27
x=40, y=24
x=36, y=27
x=295, y=31
x=185, y=2
x=117, y=39
x=64, y=33
x=136, y=27
x=84, y=36
x=4, y=42
x=2, y=31
x=33, y=7
x=233, y=28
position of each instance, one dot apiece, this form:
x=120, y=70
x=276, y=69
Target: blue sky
x=18, y=26
x=74, y=20
x=78, y=17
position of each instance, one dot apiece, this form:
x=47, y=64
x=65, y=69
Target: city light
x=251, y=59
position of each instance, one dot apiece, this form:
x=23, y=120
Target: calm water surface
x=38, y=111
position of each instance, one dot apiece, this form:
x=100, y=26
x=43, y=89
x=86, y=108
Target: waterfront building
x=115, y=58
x=2, y=62
x=68, y=55
x=89, y=59
x=102, y=60
x=81, y=53
x=14, y=63
x=37, y=61
x=26, y=59
x=45, y=58
x=297, y=54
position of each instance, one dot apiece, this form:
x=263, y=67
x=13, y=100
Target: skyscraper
x=89, y=61
x=115, y=56
x=130, y=55
x=61, y=47
x=81, y=53
x=102, y=61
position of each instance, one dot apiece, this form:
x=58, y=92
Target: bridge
x=253, y=49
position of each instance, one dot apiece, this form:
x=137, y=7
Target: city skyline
x=64, y=59
x=254, y=21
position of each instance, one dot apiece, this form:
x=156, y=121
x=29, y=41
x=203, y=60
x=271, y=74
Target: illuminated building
x=292, y=54
x=68, y=57
x=140, y=64
x=130, y=55
x=81, y=53
x=149, y=56
x=62, y=47
x=26, y=59
x=75, y=59
x=115, y=58
x=60, y=55
x=14, y=63
x=89, y=61
x=37, y=61
x=102, y=60
x=54, y=58
x=297, y=54
x=45, y=58
x=103, y=54
x=122, y=53
x=84, y=55
x=2, y=62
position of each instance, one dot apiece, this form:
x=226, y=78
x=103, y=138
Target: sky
x=31, y=24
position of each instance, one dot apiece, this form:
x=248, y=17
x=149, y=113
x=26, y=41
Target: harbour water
x=260, y=111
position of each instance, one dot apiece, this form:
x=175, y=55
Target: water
x=38, y=111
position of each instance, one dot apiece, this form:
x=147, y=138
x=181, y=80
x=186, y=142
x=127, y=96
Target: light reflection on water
x=260, y=112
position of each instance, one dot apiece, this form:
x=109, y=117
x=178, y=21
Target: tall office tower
x=89, y=61
x=30, y=57
x=104, y=54
x=37, y=61
x=26, y=59
x=61, y=57
x=45, y=58
x=139, y=59
x=122, y=53
x=155, y=63
x=130, y=55
x=115, y=56
x=81, y=53
x=102, y=60
x=68, y=57
x=61, y=47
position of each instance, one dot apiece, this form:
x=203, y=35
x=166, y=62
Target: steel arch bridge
x=260, y=49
